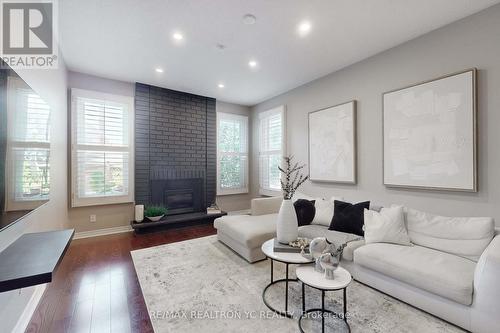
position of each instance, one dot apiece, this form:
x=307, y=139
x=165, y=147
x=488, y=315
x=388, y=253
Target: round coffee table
x=288, y=259
x=308, y=276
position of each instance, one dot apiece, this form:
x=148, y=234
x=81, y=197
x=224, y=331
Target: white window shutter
x=102, y=149
x=271, y=149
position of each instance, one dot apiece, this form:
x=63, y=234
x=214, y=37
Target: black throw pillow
x=349, y=217
x=305, y=211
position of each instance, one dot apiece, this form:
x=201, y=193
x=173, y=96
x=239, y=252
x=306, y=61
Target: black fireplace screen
x=179, y=195
x=178, y=200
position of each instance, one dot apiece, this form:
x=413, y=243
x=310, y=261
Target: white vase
x=287, y=228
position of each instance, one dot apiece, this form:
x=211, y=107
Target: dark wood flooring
x=96, y=289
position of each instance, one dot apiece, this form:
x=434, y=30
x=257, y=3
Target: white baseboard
x=30, y=308
x=102, y=232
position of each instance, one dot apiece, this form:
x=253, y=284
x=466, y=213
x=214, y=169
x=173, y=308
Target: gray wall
x=235, y=202
x=51, y=85
x=96, y=83
x=471, y=42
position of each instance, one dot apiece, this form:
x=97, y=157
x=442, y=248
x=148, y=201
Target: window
x=102, y=148
x=28, y=147
x=232, y=154
x=271, y=149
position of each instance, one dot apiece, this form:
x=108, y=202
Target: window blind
x=271, y=149
x=232, y=153
x=101, y=149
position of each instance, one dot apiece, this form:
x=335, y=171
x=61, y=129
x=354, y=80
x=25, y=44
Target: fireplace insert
x=179, y=195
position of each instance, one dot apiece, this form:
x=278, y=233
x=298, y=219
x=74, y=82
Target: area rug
x=201, y=285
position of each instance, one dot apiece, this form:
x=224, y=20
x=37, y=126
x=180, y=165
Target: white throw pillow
x=388, y=226
x=324, y=211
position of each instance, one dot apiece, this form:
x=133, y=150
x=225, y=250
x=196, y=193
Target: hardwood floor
x=96, y=289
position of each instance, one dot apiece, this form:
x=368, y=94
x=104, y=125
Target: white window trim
x=280, y=109
x=101, y=200
x=11, y=204
x=241, y=190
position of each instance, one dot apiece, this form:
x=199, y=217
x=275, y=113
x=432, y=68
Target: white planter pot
x=287, y=228
x=155, y=218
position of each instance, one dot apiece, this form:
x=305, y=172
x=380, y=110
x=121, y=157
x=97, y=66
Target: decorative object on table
x=349, y=217
x=155, y=213
x=305, y=211
x=430, y=134
x=300, y=243
x=292, y=179
x=297, y=246
x=287, y=224
x=213, y=209
x=316, y=248
x=329, y=263
x=332, y=144
x=139, y=213
x=386, y=226
x=330, y=260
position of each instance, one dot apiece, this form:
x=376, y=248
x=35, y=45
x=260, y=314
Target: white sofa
x=245, y=234
x=452, y=270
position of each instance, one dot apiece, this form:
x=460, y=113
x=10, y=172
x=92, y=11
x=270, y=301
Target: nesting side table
x=309, y=277
x=288, y=259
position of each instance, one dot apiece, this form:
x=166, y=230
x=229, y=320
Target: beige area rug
x=200, y=285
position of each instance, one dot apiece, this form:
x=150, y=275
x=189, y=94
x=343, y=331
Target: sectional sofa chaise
x=452, y=269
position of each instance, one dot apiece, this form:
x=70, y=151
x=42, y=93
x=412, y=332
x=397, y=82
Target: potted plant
x=287, y=225
x=155, y=213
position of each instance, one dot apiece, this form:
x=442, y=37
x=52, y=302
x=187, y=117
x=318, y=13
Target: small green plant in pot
x=155, y=213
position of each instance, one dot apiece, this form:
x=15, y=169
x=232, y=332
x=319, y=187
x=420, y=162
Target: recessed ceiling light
x=304, y=28
x=159, y=70
x=249, y=19
x=177, y=36
x=221, y=85
x=252, y=63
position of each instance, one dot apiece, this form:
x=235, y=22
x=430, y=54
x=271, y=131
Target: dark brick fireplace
x=175, y=149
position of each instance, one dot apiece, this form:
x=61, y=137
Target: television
x=24, y=148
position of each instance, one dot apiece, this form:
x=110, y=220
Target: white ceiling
x=127, y=39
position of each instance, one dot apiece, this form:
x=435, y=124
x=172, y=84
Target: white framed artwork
x=332, y=144
x=430, y=134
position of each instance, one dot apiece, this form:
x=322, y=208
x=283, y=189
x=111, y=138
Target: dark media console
x=33, y=258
